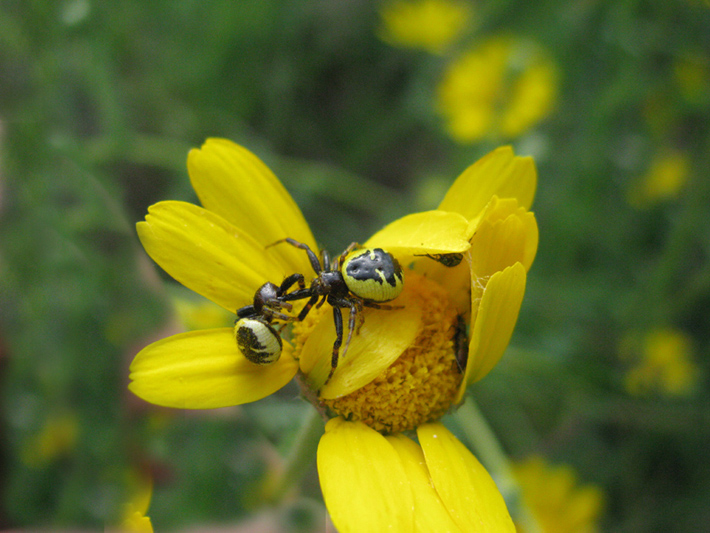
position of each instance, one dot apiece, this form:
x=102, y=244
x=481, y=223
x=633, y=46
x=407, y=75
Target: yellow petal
x=364, y=484
x=430, y=232
x=468, y=492
x=430, y=515
x=384, y=335
x=494, y=323
x=234, y=183
x=204, y=369
x=501, y=242
x=134, y=514
x=207, y=254
x=498, y=173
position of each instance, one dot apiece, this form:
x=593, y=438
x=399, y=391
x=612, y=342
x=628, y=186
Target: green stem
x=300, y=458
x=481, y=436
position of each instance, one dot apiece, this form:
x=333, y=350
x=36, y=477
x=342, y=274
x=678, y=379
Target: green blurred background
x=366, y=114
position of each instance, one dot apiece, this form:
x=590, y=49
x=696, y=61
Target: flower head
x=135, y=512
x=56, y=439
x=428, y=24
x=665, y=179
x=407, y=361
x=500, y=88
x=662, y=362
x=559, y=503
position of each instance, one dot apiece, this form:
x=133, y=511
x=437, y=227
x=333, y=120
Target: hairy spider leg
x=312, y=257
x=288, y=282
x=325, y=260
x=337, y=304
x=249, y=311
x=339, y=261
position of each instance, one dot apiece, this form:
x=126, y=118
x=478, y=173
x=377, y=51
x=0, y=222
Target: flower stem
x=300, y=458
x=481, y=436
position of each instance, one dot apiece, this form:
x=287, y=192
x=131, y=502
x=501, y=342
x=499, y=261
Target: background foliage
x=99, y=104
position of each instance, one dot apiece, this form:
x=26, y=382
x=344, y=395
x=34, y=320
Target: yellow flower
x=56, y=439
x=429, y=24
x=664, y=363
x=135, y=519
x=691, y=73
x=402, y=369
x=498, y=89
x=556, y=500
x=372, y=482
x=664, y=180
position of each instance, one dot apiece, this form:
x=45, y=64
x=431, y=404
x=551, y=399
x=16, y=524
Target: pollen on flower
x=422, y=383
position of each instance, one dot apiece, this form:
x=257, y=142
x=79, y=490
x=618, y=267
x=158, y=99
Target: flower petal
x=501, y=240
x=384, y=335
x=467, y=490
x=234, y=183
x=429, y=511
x=498, y=173
x=364, y=484
x=494, y=323
x=430, y=232
x=207, y=254
x=203, y=370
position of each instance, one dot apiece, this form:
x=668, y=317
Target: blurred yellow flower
x=664, y=180
x=662, y=363
x=499, y=89
x=429, y=24
x=135, y=519
x=691, y=73
x=558, y=503
x=56, y=439
x=466, y=267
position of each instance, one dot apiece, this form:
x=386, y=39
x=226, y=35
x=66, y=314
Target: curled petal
x=364, y=484
x=207, y=254
x=500, y=242
x=500, y=173
x=203, y=370
x=430, y=514
x=384, y=335
x=234, y=183
x=430, y=232
x=494, y=322
x=467, y=490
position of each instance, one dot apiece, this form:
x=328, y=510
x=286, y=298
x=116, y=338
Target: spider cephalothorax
x=257, y=339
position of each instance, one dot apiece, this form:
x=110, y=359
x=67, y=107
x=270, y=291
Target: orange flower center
x=422, y=383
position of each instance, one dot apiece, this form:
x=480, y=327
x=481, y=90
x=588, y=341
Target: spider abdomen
x=258, y=341
x=374, y=275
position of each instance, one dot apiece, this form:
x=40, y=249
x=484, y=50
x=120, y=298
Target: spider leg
x=247, y=310
x=338, y=320
x=360, y=316
x=288, y=282
x=298, y=294
x=355, y=316
x=320, y=304
x=270, y=314
x=375, y=305
x=307, y=307
x=339, y=261
x=312, y=257
x=325, y=260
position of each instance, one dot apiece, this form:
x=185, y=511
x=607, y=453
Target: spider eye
x=373, y=274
